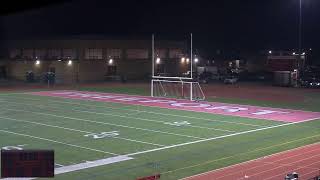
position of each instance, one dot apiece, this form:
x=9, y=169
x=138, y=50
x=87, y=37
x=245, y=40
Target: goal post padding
x=180, y=89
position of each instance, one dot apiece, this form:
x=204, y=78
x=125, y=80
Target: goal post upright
x=184, y=85
x=191, y=62
x=152, y=44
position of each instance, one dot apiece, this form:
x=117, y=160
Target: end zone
x=255, y=112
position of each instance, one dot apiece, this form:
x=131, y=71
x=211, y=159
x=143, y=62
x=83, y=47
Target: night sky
x=223, y=24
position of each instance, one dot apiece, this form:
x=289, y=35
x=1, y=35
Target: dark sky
x=215, y=24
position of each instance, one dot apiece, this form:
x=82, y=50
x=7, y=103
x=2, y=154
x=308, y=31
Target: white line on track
x=58, y=142
x=277, y=167
x=128, y=109
x=70, y=129
x=246, y=162
x=122, y=116
x=275, y=163
x=105, y=123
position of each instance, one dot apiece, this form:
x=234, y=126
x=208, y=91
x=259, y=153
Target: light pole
x=300, y=34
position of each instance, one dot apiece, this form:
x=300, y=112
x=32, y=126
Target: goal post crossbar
x=177, y=89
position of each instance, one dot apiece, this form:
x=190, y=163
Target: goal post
x=179, y=89
x=173, y=76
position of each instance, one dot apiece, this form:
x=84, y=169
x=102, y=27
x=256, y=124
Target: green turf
x=63, y=123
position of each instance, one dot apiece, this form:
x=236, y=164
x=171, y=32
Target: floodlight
x=110, y=61
x=69, y=62
x=37, y=62
x=183, y=60
x=158, y=60
x=270, y=52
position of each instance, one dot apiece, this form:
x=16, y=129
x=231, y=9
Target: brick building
x=85, y=60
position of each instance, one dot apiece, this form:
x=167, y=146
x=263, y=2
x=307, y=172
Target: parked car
x=311, y=82
x=231, y=80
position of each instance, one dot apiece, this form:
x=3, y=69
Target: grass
x=63, y=123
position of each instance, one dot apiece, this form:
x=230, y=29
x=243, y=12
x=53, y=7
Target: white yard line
x=58, y=142
x=150, y=112
x=122, y=116
x=105, y=123
x=70, y=129
x=211, y=139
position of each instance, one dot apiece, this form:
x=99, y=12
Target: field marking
x=214, y=138
x=275, y=163
x=150, y=112
x=127, y=117
x=58, y=142
x=70, y=129
x=245, y=162
x=298, y=167
x=99, y=122
x=91, y=164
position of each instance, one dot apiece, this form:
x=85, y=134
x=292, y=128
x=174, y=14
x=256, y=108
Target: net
x=179, y=89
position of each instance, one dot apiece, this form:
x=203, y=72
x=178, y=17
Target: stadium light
x=110, y=61
x=69, y=62
x=158, y=60
x=37, y=62
x=196, y=60
x=183, y=60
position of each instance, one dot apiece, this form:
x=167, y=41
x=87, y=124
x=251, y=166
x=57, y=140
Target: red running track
x=305, y=161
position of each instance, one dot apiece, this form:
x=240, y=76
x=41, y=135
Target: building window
x=40, y=53
x=27, y=53
x=69, y=54
x=175, y=53
x=54, y=54
x=14, y=53
x=93, y=53
x=114, y=53
x=137, y=54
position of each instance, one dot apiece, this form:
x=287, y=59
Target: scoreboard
x=27, y=163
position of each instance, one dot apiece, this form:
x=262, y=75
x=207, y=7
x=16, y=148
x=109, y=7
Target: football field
x=113, y=140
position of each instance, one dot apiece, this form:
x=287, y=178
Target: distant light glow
x=196, y=60
x=294, y=53
x=187, y=60
x=303, y=53
x=158, y=60
x=110, y=61
x=69, y=62
x=59, y=60
x=37, y=62
x=183, y=60
x=270, y=52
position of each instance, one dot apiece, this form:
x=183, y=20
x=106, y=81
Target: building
x=85, y=59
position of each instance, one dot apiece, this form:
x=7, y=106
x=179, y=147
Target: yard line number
x=17, y=147
x=103, y=135
x=177, y=123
